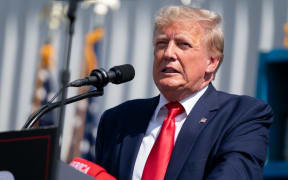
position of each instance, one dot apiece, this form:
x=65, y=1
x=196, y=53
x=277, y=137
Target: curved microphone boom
x=100, y=78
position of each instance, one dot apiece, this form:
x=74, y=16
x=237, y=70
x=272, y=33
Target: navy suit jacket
x=231, y=144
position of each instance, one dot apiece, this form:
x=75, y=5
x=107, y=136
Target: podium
x=30, y=154
x=66, y=172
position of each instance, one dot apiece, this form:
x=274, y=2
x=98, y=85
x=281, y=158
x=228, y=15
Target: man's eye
x=161, y=43
x=184, y=45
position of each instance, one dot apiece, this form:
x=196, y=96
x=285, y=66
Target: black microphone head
x=122, y=73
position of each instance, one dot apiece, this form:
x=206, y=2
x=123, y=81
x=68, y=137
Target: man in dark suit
x=189, y=131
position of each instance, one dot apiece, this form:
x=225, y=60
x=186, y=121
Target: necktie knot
x=174, y=108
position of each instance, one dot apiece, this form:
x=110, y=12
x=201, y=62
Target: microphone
x=100, y=78
x=91, y=169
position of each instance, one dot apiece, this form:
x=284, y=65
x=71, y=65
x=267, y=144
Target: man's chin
x=171, y=93
x=169, y=87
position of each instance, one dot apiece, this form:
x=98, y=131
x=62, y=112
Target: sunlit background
x=114, y=32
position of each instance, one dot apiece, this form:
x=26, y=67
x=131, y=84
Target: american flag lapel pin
x=203, y=120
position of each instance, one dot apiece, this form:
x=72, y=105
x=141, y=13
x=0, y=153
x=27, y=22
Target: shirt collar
x=188, y=103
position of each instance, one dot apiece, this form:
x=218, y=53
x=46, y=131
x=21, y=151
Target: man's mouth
x=170, y=70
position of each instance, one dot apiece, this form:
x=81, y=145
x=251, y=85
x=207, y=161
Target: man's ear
x=213, y=63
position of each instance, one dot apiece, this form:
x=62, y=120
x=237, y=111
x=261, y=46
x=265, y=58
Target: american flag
x=87, y=113
x=203, y=120
x=45, y=85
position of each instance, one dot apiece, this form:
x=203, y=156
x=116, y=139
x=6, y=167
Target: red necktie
x=159, y=157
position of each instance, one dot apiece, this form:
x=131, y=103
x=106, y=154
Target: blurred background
x=33, y=37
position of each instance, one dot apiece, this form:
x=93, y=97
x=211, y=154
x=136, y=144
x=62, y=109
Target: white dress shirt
x=155, y=125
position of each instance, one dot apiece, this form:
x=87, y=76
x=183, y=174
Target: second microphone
x=100, y=78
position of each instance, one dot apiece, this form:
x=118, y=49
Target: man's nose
x=170, y=51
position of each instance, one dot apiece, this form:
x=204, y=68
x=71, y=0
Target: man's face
x=181, y=60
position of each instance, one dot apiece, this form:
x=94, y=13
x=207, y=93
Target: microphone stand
x=65, y=73
x=64, y=79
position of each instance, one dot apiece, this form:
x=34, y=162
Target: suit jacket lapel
x=136, y=127
x=196, y=121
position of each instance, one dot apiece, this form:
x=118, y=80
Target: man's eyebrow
x=182, y=37
x=161, y=36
